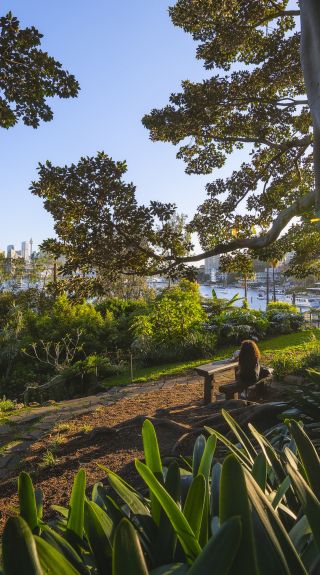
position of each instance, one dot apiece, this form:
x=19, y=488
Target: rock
x=19, y=406
x=294, y=379
x=33, y=404
x=49, y=402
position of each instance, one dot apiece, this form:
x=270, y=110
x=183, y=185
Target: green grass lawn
x=268, y=347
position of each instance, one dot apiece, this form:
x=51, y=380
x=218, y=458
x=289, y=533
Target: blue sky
x=128, y=58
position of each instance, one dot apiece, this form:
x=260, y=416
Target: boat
x=261, y=295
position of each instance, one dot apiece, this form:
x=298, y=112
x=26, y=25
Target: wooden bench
x=208, y=371
x=231, y=390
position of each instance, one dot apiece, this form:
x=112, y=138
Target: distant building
x=11, y=252
x=211, y=265
x=26, y=250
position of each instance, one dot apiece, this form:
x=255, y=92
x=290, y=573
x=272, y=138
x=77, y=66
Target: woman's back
x=249, y=363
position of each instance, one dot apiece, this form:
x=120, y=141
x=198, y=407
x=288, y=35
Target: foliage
x=28, y=76
x=296, y=360
x=281, y=306
x=235, y=325
x=6, y=405
x=95, y=196
x=258, y=509
x=171, y=324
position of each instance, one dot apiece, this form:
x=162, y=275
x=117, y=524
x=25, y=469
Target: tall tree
x=28, y=76
x=263, y=96
x=255, y=99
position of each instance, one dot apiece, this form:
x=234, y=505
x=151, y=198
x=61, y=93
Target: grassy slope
x=267, y=347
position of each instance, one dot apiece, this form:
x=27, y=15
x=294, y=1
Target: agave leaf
x=308, y=456
x=284, y=556
x=207, y=456
x=52, y=561
x=75, y=523
x=39, y=502
x=181, y=526
x=282, y=490
x=19, y=552
x=194, y=505
x=234, y=501
x=215, y=489
x=309, y=502
x=127, y=495
x=171, y=569
x=166, y=538
x=219, y=553
x=62, y=545
x=127, y=556
x=27, y=500
x=198, y=452
x=98, y=528
x=241, y=456
x=241, y=435
x=153, y=461
x=259, y=470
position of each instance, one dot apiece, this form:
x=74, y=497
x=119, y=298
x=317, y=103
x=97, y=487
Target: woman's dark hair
x=249, y=364
x=249, y=352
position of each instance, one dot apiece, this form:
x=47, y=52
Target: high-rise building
x=26, y=250
x=11, y=252
x=211, y=264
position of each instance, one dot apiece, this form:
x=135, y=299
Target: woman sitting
x=248, y=370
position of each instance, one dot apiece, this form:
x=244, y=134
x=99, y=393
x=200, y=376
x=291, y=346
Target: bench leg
x=207, y=395
x=231, y=394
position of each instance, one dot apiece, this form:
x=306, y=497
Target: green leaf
x=127, y=557
x=52, y=561
x=75, y=523
x=153, y=461
x=98, y=528
x=27, y=500
x=259, y=470
x=308, y=456
x=127, y=494
x=62, y=545
x=220, y=551
x=207, y=456
x=171, y=569
x=284, y=556
x=234, y=501
x=282, y=490
x=241, y=436
x=181, y=526
x=194, y=505
x=215, y=489
x=309, y=502
x=19, y=553
x=166, y=538
x=198, y=452
x=232, y=448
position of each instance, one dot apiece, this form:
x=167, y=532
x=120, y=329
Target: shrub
x=258, y=510
x=6, y=405
x=296, y=360
x=195, y=345
x=282, y=306
x=238, y=324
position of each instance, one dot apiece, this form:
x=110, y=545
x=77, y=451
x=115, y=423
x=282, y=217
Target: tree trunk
x=310, y=62
x=274, y=284
x=245, y=287
x=267, y=284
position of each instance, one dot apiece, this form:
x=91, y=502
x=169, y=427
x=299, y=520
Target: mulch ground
x=110, y=436
x=86, y=442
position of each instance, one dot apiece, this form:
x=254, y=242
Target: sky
x=128, y=57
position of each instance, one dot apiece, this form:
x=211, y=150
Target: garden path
x=20, y=431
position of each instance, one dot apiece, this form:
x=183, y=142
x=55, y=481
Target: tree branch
x=284, y=217
x=274, y=15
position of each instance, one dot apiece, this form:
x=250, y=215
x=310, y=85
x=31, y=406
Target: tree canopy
x=262, y=95
x=28, y=76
